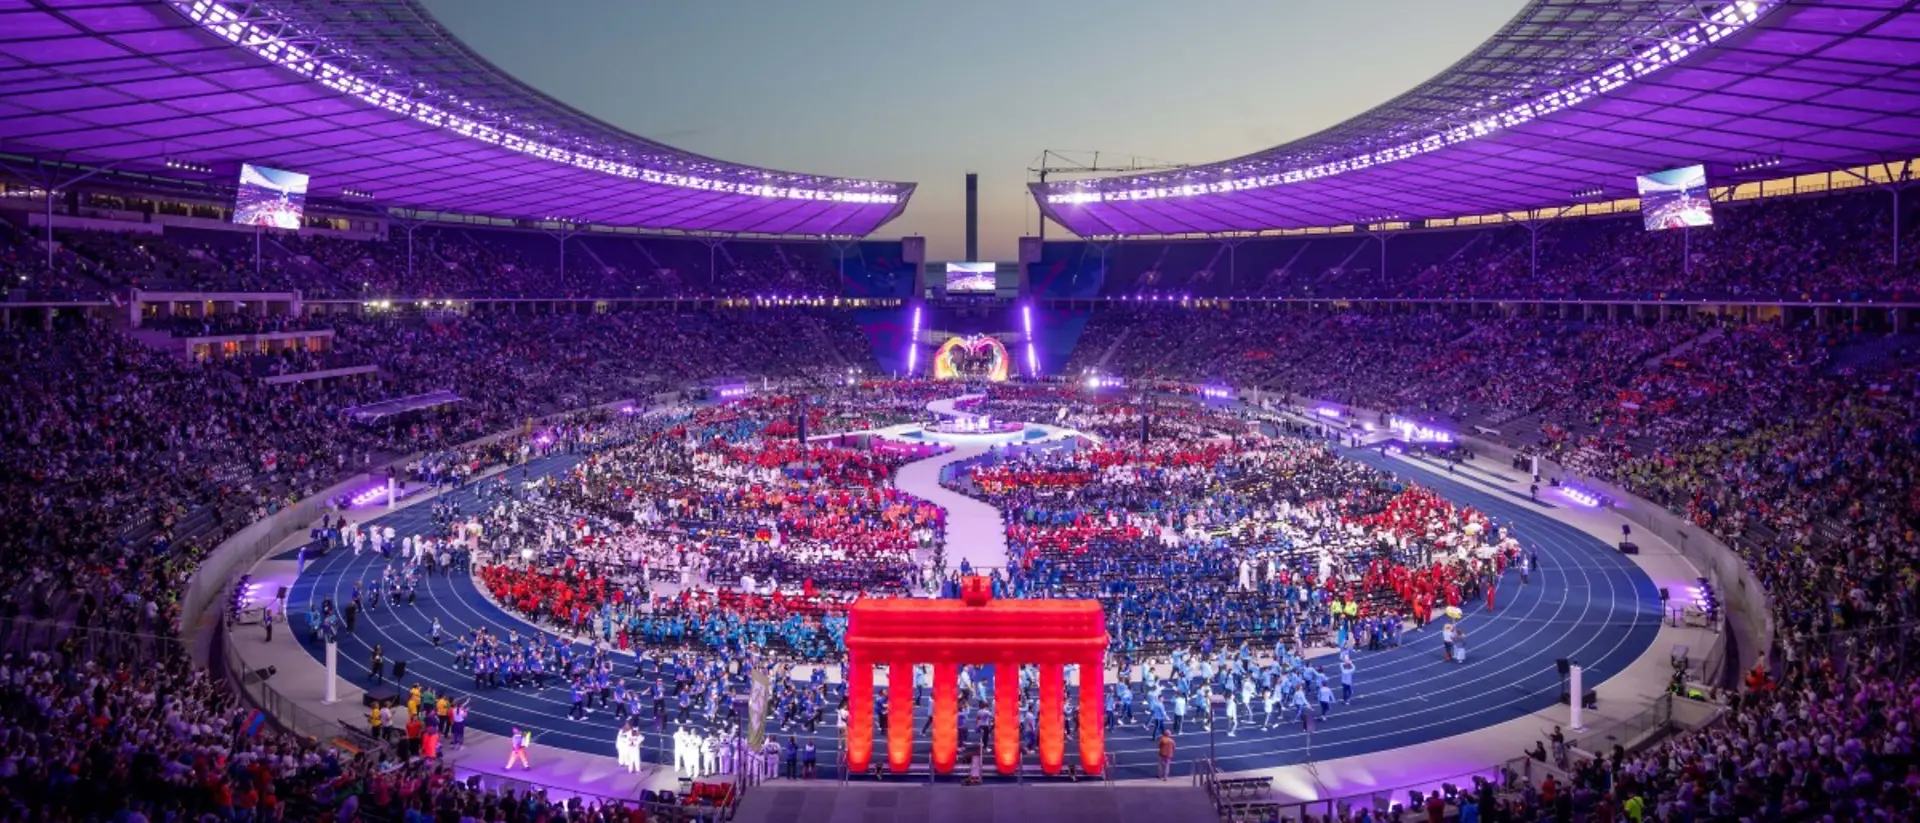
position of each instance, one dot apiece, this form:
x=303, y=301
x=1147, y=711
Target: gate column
x=946, y=716
x=1053, y=723
x=1006, y=716
x=1093, y=721
x=899, y=715
x=859, y=712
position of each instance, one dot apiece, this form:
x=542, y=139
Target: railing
x=1596, y=740
x=288, y=712
x=677, y=809
x=72, y=642
x=1627, y=731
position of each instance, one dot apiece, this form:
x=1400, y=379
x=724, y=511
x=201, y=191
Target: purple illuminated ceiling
x=1567, y=103
x=372, y=96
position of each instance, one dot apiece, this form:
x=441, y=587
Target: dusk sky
x=925, y=92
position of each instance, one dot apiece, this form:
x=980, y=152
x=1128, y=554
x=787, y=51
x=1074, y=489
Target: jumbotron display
x=272, y=198
x=977, y=357
x=971, y=277
x=1675, y=199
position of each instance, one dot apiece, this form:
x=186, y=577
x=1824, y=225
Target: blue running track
x=1588, y=602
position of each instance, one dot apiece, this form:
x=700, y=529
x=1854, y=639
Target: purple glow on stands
x=913, y=342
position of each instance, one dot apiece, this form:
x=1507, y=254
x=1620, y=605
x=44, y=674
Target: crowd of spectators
x=1835, y=246
x=1792, y=442
x=121, y=466
x=441, y=262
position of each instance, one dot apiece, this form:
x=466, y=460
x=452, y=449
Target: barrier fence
x=1259, y=805
x=74, y=643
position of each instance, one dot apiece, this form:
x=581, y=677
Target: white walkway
x=974, y=530
x=945, y=408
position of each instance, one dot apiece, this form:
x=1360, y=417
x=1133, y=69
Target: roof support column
x=713, y=245
x=1899, y=178
x=562, y=229
x=1233, y=259
x=409, y=221
x=50, y=186
x=840, y=249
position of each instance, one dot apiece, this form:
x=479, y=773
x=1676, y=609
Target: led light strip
x=1718, y=26
x=1033, y=356
x=227, y=24
x=913, y=342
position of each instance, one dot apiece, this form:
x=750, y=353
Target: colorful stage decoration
x=974, y=630
x=973, y=356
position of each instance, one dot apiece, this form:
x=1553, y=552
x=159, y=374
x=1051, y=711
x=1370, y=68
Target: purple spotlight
x=1033, y=355
x=913, y=342
x=1581, y=496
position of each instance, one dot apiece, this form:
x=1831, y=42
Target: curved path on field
x=1588, y=602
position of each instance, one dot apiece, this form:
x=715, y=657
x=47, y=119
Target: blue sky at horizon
x=926, y=91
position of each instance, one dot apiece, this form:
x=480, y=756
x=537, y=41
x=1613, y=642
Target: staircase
x=1685, y=346
x=1107, y=355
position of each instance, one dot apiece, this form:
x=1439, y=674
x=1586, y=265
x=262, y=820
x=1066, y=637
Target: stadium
x=386, y=439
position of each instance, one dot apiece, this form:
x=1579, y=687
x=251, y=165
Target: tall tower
x=973, y=216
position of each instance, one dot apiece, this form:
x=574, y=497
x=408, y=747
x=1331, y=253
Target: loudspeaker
x=281, y=594
x=1629, y=548
x=1590, y=700
x=381, y=693
x=1665, y=595
x=399, y=670
x=1564, y=665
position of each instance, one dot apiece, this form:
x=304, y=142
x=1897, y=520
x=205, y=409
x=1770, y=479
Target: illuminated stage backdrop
x=975, y=355
x=901, y=632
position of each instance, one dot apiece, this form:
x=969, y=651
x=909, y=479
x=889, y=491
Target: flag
x=255, y=723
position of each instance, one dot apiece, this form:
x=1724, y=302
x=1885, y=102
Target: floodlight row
x=1717, y=26
x=228, y=24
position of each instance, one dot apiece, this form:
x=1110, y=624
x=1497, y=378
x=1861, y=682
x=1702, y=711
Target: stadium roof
x=1567, y=103
x=372, y=96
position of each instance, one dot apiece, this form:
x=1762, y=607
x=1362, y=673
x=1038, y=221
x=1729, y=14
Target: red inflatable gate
x=902, y=632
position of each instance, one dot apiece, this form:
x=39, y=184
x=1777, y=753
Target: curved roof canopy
x=372, y=97
x=1568, y=102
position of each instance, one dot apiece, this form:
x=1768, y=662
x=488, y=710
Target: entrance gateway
x=976, y=629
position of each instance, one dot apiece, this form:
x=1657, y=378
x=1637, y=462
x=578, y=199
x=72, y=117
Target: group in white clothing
x=697, y=755
x=628, y=744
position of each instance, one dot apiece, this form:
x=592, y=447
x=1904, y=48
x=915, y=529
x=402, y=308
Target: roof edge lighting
x=1668, y=51
x=276, y=46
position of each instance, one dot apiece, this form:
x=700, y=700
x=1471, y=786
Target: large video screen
x=270, y=197
x=970, y=277
x=1675, y=199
